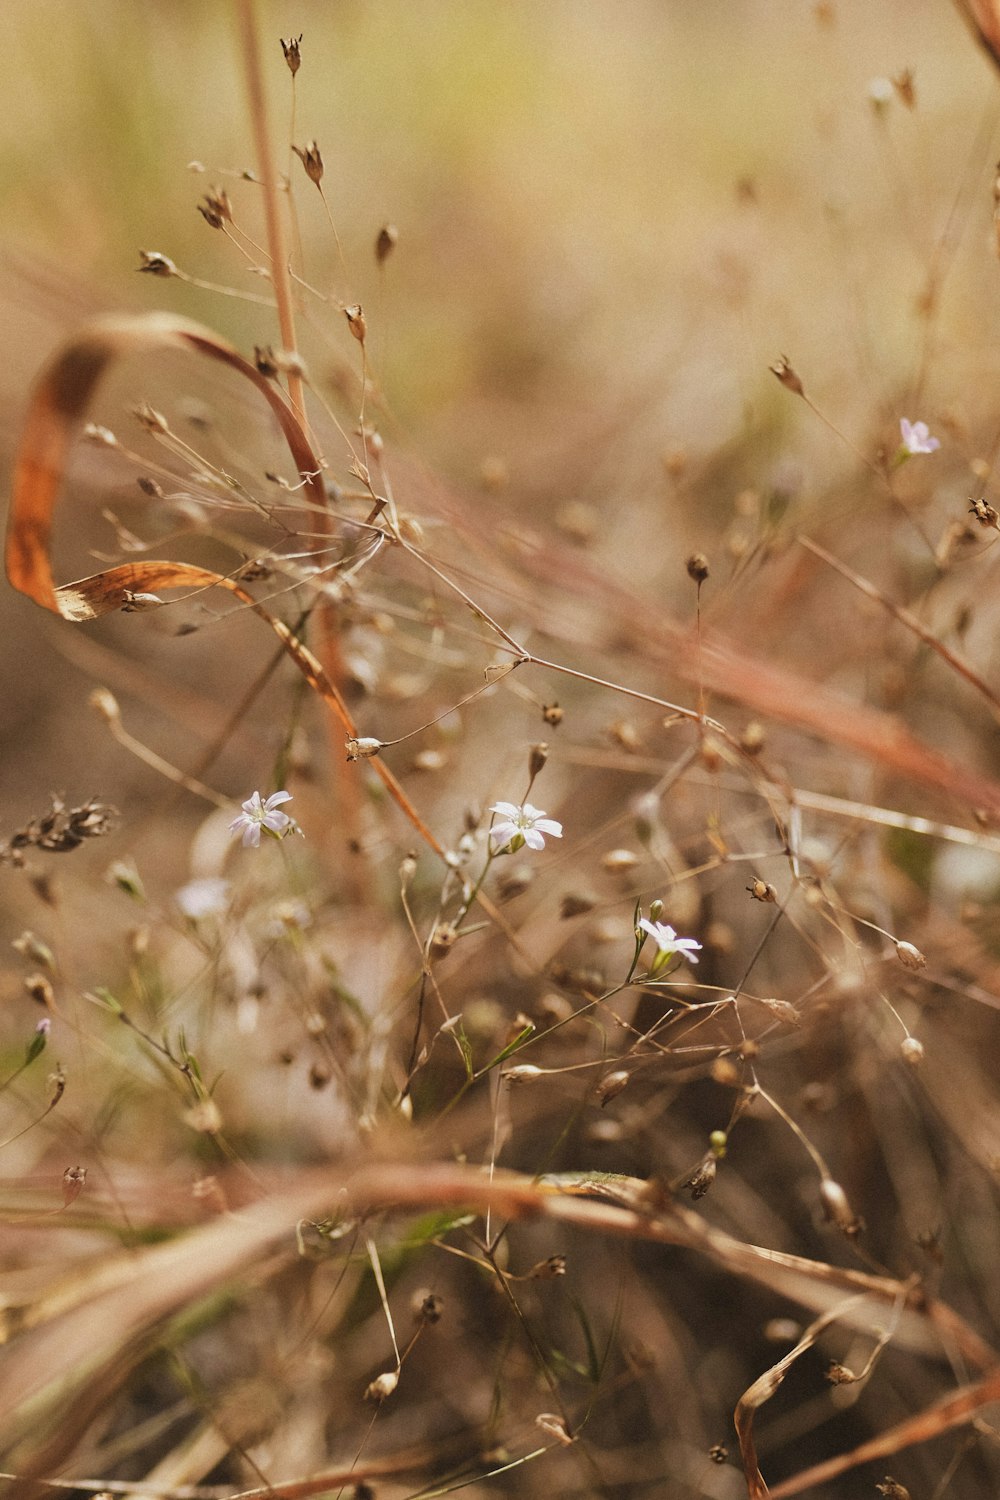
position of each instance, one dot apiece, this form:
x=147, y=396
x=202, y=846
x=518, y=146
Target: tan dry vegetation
x=386, y=1157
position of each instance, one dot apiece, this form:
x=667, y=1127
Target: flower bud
x=293, y=56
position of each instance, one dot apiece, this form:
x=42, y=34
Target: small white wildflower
x=519, y=826
x=916, y=439
x=668, y=944
x=257, y=815
x=203, y=898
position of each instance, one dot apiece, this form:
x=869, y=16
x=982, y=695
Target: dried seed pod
x=762, y=890
x=293, y=56
x=697, y=567
x=909, y=956
x=537, y=756
x=611, y=1085
x=363, y=748
x=702, y=1177
x=837, y=1209
x=385, y=242
x=312, y=160
x=912, y=1051
x=552, y=714
x=356, y=321
x=548, y=1270
x=784, y=372
x=155, y=264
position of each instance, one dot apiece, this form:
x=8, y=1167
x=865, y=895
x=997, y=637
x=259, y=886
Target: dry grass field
x=500, y=818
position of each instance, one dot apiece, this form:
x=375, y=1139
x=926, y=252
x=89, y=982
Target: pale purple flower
x=916, y=439
x=668, y=944
x=257, y=815
x=519, y=826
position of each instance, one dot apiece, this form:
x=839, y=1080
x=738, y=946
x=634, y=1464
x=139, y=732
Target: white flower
x=668, y=943
x=917, y=438
x=203, y=898
x=257, y=815
x=519, y=826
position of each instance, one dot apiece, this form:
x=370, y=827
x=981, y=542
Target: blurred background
x=612, y=219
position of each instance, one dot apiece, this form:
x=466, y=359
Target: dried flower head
x=312, y=160
x=293, y=56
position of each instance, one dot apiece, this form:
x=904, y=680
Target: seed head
x=697, y=567
x=382, y=1386
x=155, y=264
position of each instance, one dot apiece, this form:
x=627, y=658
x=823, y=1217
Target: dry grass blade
x=59, y=401
x=763, y=1388
x=951, y=1411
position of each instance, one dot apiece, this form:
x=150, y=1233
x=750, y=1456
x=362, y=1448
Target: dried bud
x=205, y=1117
x=719, y=1453
x=984, y=513
x=155, y=264
x=761, y=890
x=912, y=1051
x=356, y=321
x=135, y=604
x=555, y=1426
x=216, y=209
x=840, y=1374
x=382, y=1386
x=103, y=436
x=31, y=947
x=363, y=748
x=697, y=567
x=74, y=1182
x=752, y=738
x=725, y=1072
x=619, y=861
x=837, y=1209
x=702, y=1177
x=611, y=1085
x=312, y=160
x=385, y=242
x=552, y=714
x=783, y=370
x=904, y=84
x=537, y=756
x=265, y=360
x=293, y=56
x=443, y=939
x=152, y=420
x=910, y=957
x=105, y=705
x=522, y=1073
x=428, y=1307
x=548, y=1270
x=892, y=1489
x=575, y=904
x=40, y=990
